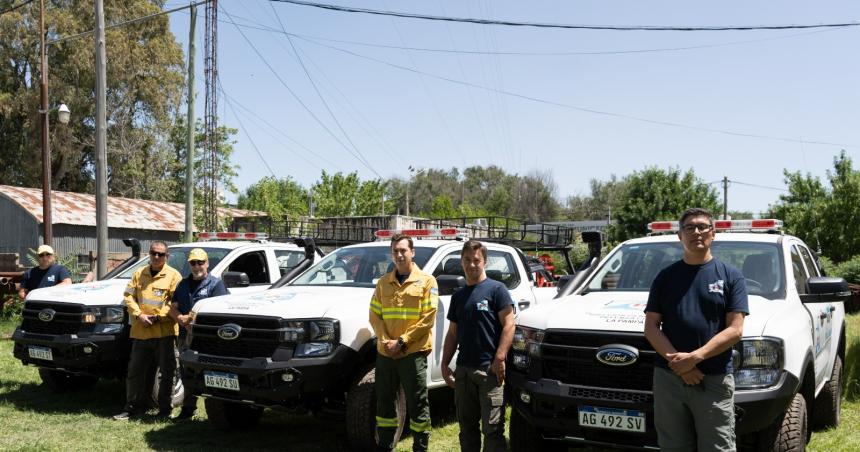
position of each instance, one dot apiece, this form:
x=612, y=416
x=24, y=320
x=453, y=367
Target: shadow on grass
x=279, y=431
x=104, y=400
x=851, y=369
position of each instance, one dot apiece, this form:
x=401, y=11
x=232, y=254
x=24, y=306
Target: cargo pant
x=410, y=372
x=144, y=354
x=698, y=417
x=480, y=407
x=189, y=403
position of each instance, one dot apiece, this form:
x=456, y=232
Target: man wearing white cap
x=199, y=284
x=47, y=274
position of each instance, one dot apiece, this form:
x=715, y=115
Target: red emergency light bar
x=232, y=236
x=424, y=233
x=762, y=225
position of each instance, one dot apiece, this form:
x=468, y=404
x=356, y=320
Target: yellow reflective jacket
x=406, y=311
x=151, y=295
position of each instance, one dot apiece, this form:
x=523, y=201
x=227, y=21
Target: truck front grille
x=259, y=337
x=570, y=357
x=67, y=318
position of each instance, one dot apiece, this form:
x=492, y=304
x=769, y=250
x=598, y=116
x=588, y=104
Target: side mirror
x=235, y=279
x=448, y=284
x=826, y=289
x=563, y=281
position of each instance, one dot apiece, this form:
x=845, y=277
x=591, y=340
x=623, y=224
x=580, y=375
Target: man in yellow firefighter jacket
x=153, y=332
x=402, y=314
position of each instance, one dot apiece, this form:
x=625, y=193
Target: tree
x=657, y=194
x=443, y=207
x=604, y=197
x=144, y=89
x=335, y=195
x=280, y=198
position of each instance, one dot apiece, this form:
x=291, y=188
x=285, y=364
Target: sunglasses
x=195, y=263
x=157, y=254
x=45, y=254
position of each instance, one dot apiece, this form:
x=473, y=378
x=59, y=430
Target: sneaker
x=184, y=414
x=163, y=414
x=124, y=416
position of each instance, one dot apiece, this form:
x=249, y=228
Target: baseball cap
x=197, y=254
x=46, y=249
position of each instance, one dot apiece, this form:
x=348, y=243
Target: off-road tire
x=828, y=404
x=232, y=415
x=789, y=432
x=59, y=381
x=526, y=438
x=361, y=413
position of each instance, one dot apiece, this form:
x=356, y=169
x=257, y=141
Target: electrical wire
x=14, y=7
x=295, y=96
x=759, y=186
x=242, y=126
x=583, y=109
x=566, y=26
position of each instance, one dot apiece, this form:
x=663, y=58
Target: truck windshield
x=356, y=267
x=634, y=267
x=178, y=259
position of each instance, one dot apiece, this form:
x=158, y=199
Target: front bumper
x=94, y=354
x=262, y=381
x=553, y=409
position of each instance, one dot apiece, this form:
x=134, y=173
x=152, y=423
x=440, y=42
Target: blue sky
x=798, y=86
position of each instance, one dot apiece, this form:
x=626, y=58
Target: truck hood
x=624, y=311
x=301, y=302
x=99, y=293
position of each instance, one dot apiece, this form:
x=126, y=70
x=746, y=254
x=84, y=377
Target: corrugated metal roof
x=80, y=209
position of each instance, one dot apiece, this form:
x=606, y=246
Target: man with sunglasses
x=695, y=314
x=199, y=284
x=153, y=333
x=47, y=274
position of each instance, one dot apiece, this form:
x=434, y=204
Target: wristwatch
x=401, y=343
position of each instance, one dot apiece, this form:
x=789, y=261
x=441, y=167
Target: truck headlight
x=104, y=314
x=525, y=346
x=312, y=337
x=757, y=362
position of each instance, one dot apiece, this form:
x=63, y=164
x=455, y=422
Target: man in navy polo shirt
x=695, y=314
x=482, y=325
x=47, y=274
x=193, y=288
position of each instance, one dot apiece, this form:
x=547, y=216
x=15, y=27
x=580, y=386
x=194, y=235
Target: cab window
x=288, y=259
x=800, y=275
x=254, y=265
x=811, y=268
x=500, y=266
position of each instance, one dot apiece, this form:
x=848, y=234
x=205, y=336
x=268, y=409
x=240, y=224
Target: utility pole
x=189, y=154
x=47, y=226
x=101, y=145
x=725, y=198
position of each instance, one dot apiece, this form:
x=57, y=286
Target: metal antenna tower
x=210, y=119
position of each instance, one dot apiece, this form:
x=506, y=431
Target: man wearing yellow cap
x=199, y=284
x=48, y=273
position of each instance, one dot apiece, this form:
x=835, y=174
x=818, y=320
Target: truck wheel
x=361, y=414
x=526, y=438
x=828, y=404
x=232, y=415
x=178, y=394
x=60, y=381
x=788, y=434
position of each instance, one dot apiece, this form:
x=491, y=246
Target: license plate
x=221, y=380
x=40, y=353
x=612, y=418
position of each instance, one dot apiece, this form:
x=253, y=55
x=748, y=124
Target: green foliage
x=849, y=269
x=605, y=196
x=279, y=198
x=656, y=194
x=829, y=216
x=442, y=207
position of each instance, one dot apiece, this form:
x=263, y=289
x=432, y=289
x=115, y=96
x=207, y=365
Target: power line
x=583, y=109
x=242, y=126
x=759, y=186
x=296, y=97
x=566, y=26
x=14, y=7
x=129, y=22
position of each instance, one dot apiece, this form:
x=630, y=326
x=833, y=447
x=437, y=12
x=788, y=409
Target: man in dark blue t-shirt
x=482, y=325
x=47, y=274
x=695, y=314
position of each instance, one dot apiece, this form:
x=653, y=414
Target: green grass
x=33, y=418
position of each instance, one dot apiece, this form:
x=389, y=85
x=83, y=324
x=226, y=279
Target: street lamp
x=63, y=114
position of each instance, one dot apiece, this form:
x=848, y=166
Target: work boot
x=185, y=413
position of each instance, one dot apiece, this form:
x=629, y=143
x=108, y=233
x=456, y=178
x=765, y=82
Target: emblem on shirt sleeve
x=716, y=287
x=158, y=292
x=434, y=291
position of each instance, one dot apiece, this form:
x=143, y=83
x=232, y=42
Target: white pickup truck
x=580, y=371
x=77, y=333
x=309, y=344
